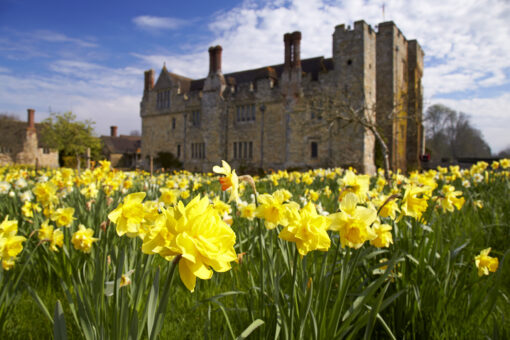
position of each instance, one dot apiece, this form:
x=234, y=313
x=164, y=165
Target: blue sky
x=89, y=56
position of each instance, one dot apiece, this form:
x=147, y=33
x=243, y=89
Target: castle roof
x=311, y=65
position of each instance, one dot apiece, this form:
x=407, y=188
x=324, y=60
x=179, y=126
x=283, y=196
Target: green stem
x=328, y=291
x=293, y=300
x=262, y=278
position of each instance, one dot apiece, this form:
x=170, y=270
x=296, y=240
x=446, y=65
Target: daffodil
x=451, y=198
x=169, y=196
x=54, y=236
x=356, y=184
x=46, y=193
x=28, y=209
x=230, y=181
x=198, y=234
x=308, y=230
x=353, y=222
x=387, y=205
x=129, y=215
x=83, y=239
x=504, y=163
x=63, y=217
x=384, y=237
x=247, y=210
x=10, y=243
x=414, y=202
x=274, y=210
x=485, y=263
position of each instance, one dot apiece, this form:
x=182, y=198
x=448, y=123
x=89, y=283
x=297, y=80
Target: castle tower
x=392, y=91
x=355, y=91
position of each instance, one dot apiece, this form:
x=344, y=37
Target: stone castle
x=299, y=114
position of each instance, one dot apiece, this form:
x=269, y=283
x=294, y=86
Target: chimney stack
x=287, y=39
x=292, y=50
x=296, y=49
x=113, y=131
x=31, y=121
x=149, y=80
x=215, y=59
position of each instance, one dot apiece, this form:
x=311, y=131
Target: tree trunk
x=78, y=163
x=151, y=164
x=88, y=158
x=385, y=151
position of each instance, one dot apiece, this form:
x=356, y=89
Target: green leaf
x=40, y=303
x=153, y=302
x=253, y=326
x=59, y=326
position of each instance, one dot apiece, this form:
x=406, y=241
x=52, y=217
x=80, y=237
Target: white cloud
x=105, y=95
x=158, y=23
x=22, y=45
x=51, y=36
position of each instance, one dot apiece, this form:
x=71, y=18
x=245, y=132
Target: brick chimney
x=296, y=49
x=113, y=131
x=292, y=50
x=30, y=120
x=287, y=39
x=215, y=59
x=149, y=80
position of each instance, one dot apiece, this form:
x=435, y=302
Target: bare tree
x=350, y=107
x=451, y=135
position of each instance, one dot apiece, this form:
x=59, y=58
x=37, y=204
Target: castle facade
x=314, y=112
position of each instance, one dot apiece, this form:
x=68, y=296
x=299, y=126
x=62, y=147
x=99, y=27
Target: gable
x=164, y=80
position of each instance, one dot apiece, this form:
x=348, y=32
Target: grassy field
x=291, y=255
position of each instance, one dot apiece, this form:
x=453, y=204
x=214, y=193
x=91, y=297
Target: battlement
x=359, y=26
x=390, y=28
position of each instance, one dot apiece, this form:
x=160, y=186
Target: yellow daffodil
x=353, y=222
x=55, y=237
x=308, y=230
x=197, y=233
x=129, y=215
x=63, y=217
x=384, y=237
x=356, y=184
x=83, y=239
x=504, y=163
x=451, y=198
x=390, y=207
x=169, y=196
x=485, y=263
x=10, y=243
x=247, y=210
x=28, y=209
x=414, y=202
x=273, y=209
x=46, y=193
